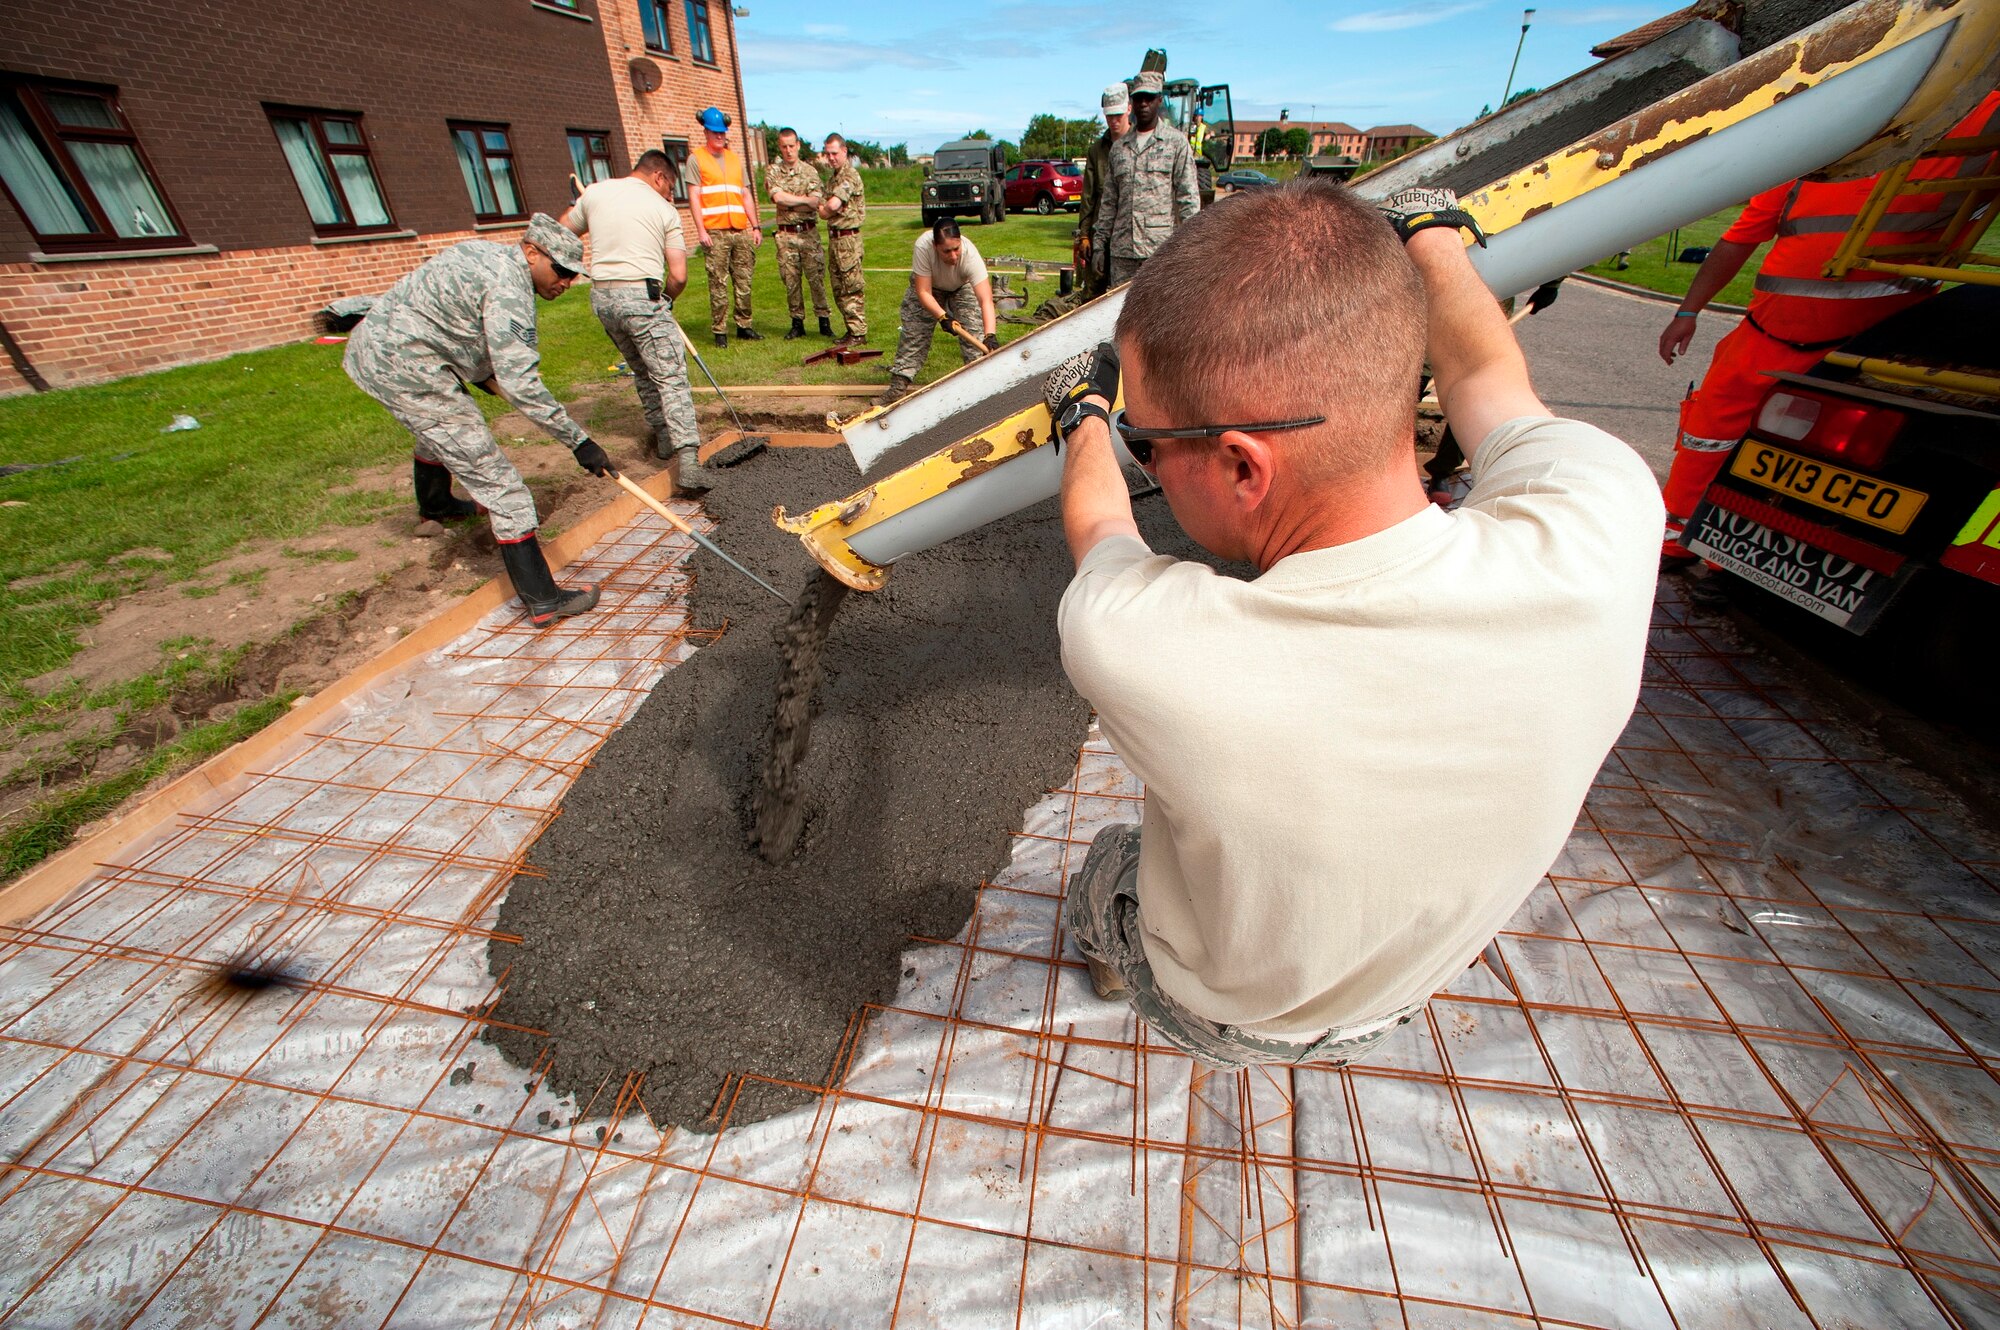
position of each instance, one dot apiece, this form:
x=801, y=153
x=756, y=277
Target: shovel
x=677, y=524
x=744, y=448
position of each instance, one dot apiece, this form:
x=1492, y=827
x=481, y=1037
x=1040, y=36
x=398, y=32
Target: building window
x=653, y=18
x=486, y=160
x=701, y=44
x=74, y=168
x=677, y=160
x=590, y=155
x=328, y=154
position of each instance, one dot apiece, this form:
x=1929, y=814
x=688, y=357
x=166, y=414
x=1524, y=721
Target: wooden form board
x=54, y=878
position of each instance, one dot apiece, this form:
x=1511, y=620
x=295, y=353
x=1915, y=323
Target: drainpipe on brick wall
x=19, y=360
x=742, y=106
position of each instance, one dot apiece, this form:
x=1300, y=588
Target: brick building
x=1395, y=140
x=1328, y=136
x=1332, y=138
x=184, y=179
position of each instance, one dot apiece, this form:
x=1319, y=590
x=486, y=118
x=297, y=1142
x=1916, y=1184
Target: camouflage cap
x=1116, y=100
x=555, y=240
x=1149, y=84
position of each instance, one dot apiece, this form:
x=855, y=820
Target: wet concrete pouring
x=660, y=941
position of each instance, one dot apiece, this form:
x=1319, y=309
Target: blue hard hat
x=713, y=120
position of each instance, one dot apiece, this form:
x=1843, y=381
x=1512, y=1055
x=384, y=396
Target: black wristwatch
x=1075, y=414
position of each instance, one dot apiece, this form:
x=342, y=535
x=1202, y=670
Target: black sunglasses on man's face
x=1139, y=440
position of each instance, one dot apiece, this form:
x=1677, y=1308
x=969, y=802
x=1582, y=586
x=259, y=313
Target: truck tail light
x=1856, y=434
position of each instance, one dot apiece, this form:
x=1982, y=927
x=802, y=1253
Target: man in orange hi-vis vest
x=1797, y=314
x=726, y=226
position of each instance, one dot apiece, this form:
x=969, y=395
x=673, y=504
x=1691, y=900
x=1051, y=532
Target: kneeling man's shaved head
x=1284, y=303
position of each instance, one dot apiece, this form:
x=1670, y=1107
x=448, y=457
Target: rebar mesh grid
x=1740, y=1069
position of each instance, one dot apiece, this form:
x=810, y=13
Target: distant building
x=1332, y=138
x=1335, y=136
x=1394, y=140
x=203, y=181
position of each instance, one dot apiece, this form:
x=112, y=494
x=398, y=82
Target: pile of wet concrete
x=659, y=941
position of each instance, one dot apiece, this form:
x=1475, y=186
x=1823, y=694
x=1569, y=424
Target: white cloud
x=1598, y=16
x=1395, y=20
x=824, y=29
x=784, y=55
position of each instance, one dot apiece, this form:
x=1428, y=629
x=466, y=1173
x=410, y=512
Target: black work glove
x=1085, y=374
x=949, y=324
x=1412, y=210
x=594, y=459
x=1544, y=296
x=991, y=341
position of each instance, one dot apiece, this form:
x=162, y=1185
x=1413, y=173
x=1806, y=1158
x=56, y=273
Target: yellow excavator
x=1702, y=110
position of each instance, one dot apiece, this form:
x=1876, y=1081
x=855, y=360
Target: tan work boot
x=1106, y=981
x=898, y=389
x=688, y=477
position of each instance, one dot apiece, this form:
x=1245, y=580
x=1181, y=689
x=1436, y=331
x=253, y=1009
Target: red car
x=1043, y=186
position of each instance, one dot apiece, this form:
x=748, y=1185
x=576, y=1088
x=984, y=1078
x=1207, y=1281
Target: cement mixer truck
x=1731, y=101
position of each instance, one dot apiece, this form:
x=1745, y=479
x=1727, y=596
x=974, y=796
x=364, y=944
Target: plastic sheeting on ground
x=1749, y=1079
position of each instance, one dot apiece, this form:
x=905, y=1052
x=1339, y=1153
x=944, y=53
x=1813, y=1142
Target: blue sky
x=925, y=73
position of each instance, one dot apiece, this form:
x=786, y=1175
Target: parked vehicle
x=1043, y=186
x=1867, y=492
x=1244, y=178
x=964, y=181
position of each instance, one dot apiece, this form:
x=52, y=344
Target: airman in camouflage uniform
x=638, y=267
x=844, y=207
x=800, y=259
x=468, y=316
x=1151, y=187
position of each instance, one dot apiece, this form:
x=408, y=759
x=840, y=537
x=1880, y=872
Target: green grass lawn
x=1651, y=266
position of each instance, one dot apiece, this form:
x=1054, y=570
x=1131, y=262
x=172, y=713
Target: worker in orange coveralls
x=1797, y=315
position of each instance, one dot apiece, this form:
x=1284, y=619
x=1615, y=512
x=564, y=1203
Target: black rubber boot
x=796, y=331
x=528, y=570
x=898, y=389
x=825, y=326
x=722, y=339
x=745, y=333
x=432, y=482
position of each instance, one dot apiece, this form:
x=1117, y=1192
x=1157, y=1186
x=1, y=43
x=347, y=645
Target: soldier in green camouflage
x=1117, y=105
x=468, y=316
x=1150, y=189
x=795, y=190
x=844, y=207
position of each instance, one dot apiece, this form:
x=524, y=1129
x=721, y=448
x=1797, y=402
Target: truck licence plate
x=1836, y=489
x=1836, y=589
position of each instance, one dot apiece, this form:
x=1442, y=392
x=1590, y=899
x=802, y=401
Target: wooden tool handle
x=640, y=494
x=968, y=338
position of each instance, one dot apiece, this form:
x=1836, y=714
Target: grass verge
x=51, y=825
x=1654, y=265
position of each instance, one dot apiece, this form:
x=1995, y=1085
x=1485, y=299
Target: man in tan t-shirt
x=638, y=265
x=1323, y=845
x=948, y=289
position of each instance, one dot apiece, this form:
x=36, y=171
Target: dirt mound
x=660, y=942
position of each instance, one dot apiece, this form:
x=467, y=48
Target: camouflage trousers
x=850, y=287
x=730, y=261
x=1123, y=270
x=449, y=430
x=802, y=262
x=1102, y=914
x=914, y=347
x=645, y=334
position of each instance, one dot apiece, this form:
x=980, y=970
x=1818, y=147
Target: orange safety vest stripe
x=720, y=195
x=1807, y=219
